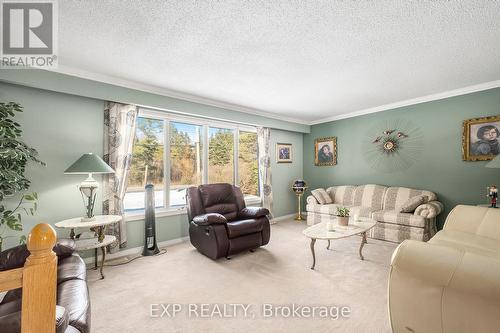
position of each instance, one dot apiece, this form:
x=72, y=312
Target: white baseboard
x=135, y=250
x=138, y=250
x=283, y=217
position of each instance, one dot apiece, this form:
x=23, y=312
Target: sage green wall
x=62, y=127
x=440, y=167
x=285, y=173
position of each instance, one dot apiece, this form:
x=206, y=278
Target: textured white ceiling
x=302, y=59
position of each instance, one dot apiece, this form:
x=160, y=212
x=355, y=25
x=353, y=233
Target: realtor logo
x=28, y=33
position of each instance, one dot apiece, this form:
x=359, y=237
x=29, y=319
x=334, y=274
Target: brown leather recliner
x=221, y=225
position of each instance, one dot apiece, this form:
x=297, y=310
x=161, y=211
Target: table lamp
x=89, y=164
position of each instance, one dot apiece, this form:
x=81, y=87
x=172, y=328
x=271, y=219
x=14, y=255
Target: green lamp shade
x=495, y=163
x=89, y=163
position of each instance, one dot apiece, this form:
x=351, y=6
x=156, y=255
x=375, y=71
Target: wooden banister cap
x=42, y=237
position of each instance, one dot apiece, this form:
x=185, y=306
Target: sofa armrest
x=429, y=210
x=209, y=219
x=428, y=283
x=433, y=263
x=253, y=212
x=311, y=200
x=16, y=256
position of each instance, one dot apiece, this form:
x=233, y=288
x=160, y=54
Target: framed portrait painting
x=480, y=138
x=284, y=153
x=325, y=151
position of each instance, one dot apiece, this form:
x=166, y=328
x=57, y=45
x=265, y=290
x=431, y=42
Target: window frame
x=205, y=123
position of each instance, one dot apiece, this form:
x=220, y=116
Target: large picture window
x=147, y=163
x=185, y=160
x=221, y=155
x=175, y=152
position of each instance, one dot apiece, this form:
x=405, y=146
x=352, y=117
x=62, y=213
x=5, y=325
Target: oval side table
x=100, y=241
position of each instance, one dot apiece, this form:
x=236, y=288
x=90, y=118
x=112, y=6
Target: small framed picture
x=325, y=151
x=284, y=153
x=480, y=138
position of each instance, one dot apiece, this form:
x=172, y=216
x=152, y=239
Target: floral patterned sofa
x=383, y=205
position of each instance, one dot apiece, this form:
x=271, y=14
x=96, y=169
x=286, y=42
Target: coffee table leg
x=363, y=241
x=103, y=249
x=313, y=241
x=328, y=247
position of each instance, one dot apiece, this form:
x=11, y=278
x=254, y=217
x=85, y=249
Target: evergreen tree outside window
x=176, y=152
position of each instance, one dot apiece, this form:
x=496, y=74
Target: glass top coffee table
x=320, y=231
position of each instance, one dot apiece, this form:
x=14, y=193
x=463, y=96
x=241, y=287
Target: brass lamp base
x=299, y=217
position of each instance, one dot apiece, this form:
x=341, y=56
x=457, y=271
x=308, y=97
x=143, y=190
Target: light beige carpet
x=276, y=274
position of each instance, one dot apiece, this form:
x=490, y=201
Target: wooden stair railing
x=38, y=278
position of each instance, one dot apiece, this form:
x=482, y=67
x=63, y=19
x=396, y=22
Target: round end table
x=100, y=241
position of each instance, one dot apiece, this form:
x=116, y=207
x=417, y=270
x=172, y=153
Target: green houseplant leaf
x=14, y=157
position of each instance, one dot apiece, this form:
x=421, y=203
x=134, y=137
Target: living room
x=226, y=166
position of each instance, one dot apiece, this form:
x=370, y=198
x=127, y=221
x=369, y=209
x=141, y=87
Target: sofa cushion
x=411, y=204
x=342, y=195
x=361, y=211
x=10, y=307
x=321, y=196
x=393, y=216
x=72, y=267
x=468, y=242
x=330, y=209
x=73, y=295
x=212, y=194
x=396, y=197
x=371, y=196
x=397, y=233
x=244, y=227
x=228, y=210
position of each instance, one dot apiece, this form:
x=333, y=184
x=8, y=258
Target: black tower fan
x=150, y=246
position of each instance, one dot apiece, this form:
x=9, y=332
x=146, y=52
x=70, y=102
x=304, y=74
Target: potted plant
x=14, y=156
x=343, y=216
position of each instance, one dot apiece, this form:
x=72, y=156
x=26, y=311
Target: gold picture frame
x=480, y=138
x=284, y=153
x=325, y=151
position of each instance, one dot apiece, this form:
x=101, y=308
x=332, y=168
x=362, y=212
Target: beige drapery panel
x=119, y=132
x=265, y=175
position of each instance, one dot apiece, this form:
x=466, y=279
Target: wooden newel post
x=40, y=282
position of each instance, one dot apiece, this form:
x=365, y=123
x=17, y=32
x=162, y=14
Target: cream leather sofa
x=450, y=284
x=381, y=203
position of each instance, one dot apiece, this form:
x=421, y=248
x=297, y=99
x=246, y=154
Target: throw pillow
x=411, y=204
x=321, y=195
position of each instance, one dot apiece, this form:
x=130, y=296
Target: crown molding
x=239, y=108
x=413, y=101
x=169, y=93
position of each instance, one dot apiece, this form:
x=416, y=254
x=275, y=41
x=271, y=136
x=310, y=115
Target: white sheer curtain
x=119, y=131
x=265, y=176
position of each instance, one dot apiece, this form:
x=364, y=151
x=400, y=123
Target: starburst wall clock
x=393, y=145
